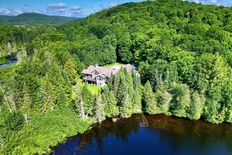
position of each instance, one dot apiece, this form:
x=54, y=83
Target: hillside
x=182, y=52
x=176, y=45
x=35, y=19
x=165, y=23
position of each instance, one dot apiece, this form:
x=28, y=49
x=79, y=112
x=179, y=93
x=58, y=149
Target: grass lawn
x=114, y=64
x=93, y=88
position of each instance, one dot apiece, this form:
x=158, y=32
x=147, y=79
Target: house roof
x=107, y=71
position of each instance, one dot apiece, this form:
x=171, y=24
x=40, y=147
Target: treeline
x=189, y=46
x=121, y=98
x=183, y=57
x=34, y=19
x=44, y=84
x=204, y=85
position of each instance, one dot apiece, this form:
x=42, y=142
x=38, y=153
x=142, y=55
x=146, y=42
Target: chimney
x=96, y=65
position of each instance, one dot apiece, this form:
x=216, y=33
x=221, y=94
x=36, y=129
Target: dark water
x=10, y=62
x=164, y=136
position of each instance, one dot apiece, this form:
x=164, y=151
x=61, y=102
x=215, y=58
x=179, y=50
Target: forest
x=34, y=19
x=181, y=50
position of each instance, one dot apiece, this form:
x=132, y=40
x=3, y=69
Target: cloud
x=10, y=12
x=75, y=10
x=61, y=9
x=196, y=1
x=56, y=6
x=64, y=9
x=215, y=2
x=105, y=6
x=38, y=11
x=4, y=11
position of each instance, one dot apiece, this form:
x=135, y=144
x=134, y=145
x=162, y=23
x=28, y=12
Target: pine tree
x=227, y=96
x=27, y=102
x=197, y=105
x=149, y=99
x=124, y=93
x=181, y=99
x=137, y=93
x=125, y=109
x=82, y=111
x=109, y=100
x=88, y=100
x=47, y=95
x=121, y=88
x=70, y=68
x=7, y=99
x=99, y=113
x=76, y=98
x=163, y=101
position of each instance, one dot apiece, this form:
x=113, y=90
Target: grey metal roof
x=107, y=71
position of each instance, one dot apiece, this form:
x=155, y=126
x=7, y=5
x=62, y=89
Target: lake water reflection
x=165, y=135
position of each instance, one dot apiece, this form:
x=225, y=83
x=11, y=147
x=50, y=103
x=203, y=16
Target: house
x=99, y=75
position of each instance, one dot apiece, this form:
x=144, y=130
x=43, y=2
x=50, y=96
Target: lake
x=165, y=135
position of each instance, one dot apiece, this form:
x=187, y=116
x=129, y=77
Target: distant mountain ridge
x=35, y=19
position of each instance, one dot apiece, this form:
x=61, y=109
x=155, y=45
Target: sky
x=73, y=8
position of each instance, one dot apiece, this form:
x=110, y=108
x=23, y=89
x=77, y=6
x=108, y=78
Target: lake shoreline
x=197, y=130
x=138, y=115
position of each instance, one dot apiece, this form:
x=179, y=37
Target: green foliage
x=99, y=113
x=163, y=101
x=183, y=58
x=227, y=100
x=149, y=99
x=88, y=99
x=123, y=88
x=97, y=51
x=34, y=19
x=70, y=68
x=14, y=122
x=109, y=100
x=181, y=99
x=124, y=49
x=137, y=92
x=3, y=61
x=43, y=131
x=92, y=88
x=197, y=105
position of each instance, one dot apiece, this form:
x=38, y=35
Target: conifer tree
x=149, y=99
x=227, y=96
x=99, y=113
x=197, y=105
x=82, y=111
x=163, y=101
x=124, y=93
x=109, y=100
x=70, y=68
x=88, y=100
x=27, y=102
x=137, y=93
x=126, y=110
x=47, y=95
x=181, y=99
